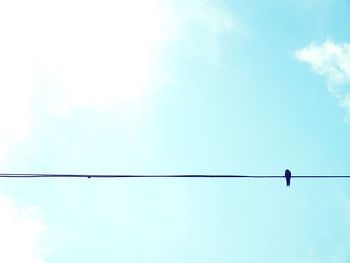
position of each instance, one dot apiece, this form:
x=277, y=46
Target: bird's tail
x=288, y=181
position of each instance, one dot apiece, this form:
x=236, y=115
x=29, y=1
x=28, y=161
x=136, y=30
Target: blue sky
x=163, y=87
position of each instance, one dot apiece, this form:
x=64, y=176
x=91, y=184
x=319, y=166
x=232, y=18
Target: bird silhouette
x=288, y=175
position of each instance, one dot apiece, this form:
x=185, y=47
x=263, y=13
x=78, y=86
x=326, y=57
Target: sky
x=174, y=87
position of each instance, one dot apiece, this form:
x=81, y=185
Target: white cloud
x=20, y=232
x=332, y=61
x=198, y=26
x=58, y=56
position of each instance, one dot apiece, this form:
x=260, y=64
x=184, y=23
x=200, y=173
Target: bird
x=288, y=175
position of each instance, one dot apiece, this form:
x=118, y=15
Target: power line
x=213, y=176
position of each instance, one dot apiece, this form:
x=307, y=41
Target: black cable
x=101, y=176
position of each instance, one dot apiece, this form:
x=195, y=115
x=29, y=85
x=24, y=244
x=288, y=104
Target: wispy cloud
x=57, y=57
x=21, y=229
x=200, y=26
x=331, y=60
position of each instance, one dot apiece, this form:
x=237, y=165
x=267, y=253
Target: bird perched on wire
x=288, y=175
